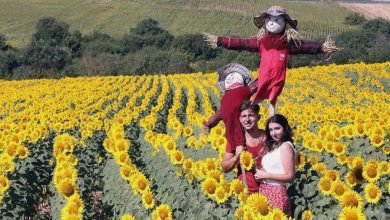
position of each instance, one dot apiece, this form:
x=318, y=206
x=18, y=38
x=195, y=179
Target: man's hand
x=239, y=150
x=205, y=130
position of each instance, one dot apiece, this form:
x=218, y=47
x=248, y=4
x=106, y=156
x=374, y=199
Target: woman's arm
x=287, y=156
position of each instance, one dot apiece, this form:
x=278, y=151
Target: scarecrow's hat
x=274, y=11
x=231, y=68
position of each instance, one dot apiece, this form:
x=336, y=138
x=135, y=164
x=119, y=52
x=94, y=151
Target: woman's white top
x=272, y=163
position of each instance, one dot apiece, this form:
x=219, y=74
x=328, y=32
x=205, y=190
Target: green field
x=115, y=17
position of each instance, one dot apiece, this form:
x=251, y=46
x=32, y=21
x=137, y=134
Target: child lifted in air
x=237, y=85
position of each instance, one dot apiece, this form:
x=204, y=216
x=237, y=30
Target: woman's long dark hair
x=287, y=136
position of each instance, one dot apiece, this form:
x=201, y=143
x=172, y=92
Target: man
x=254, y=141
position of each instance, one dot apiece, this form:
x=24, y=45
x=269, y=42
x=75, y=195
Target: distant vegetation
x=179, y=17
x=54, y=51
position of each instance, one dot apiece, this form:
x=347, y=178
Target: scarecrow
x=237, y=85
x=275, y=41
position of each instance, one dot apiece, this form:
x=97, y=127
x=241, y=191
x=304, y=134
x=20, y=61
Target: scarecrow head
x=233, y=74
x=276, y=21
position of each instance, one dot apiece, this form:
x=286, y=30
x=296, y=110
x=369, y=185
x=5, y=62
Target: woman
x=278, y=168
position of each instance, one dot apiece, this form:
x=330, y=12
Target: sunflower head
x=351, y=198
x=209, y=186
x=147, y=199
x=162, y=212
x=258, y=203
x=372, y=193
x=325, y=185
x=220, y=195
x=307, y=215
x=348, y=213
x=370, y=172
x=246, y=160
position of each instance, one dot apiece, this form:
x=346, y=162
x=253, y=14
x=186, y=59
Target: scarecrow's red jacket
x=229, y=112
x=273, y=51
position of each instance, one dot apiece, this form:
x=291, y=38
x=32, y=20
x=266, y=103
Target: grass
x=115, y=17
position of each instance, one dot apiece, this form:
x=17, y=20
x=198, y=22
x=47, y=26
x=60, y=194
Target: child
x=237, y=84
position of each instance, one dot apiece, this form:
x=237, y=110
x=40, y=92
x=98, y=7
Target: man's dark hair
x=247, y=105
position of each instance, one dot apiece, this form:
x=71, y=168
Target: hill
x=115, y=17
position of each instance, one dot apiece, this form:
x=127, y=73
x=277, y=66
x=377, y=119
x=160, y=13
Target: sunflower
x=177, y=157
x=139, y=183
x=162, y=212
x=320, y=168
x=307, y=215
x=351, y=198
x=357, y=173
x=386, y=149
x=188, y=164
x=342, y=159
x=325, y=185
x=239, y=212
x=277, y=214
x=4, y=184
x=127, y=217
x=258, y=203
x=169, y=145
x=215, y=174
x=22, y=152
x=338, y=188
x=318, y=146
x=11, y=149
x=349, y=213
x=338, y=148
x=333, y=174
x=300, y=160
x=147, y=199
x=220, y=195
x=67, y=188
x=313, y=160
x=328, y=146
x=370, y=172
x=350, y=179
x=377, y=140
x=209, y=186
x=359, y=129
x=226, y=186
x=237, y=186
x=349, y=131
x=211, y=164
x=372, y=193
x=126, y=172
x=187, y=131
x=246, y=160
x=121, y=158
x=384, y=167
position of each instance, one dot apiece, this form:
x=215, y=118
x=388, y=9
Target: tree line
x=54, y=51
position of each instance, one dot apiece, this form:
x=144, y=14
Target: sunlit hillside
x=225, y=17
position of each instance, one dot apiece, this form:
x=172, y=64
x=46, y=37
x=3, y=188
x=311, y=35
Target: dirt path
x=369, y=10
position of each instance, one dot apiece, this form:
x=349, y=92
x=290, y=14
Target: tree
x=195, y=45
x=99, y=42
x=47, y=56
x=147, y=33
x=48, y=28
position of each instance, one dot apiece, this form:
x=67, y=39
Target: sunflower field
x=131, y=147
